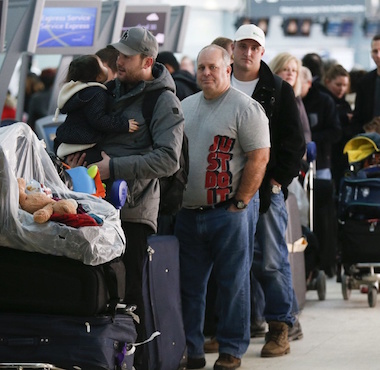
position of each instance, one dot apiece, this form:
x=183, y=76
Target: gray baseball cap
x=137, y=40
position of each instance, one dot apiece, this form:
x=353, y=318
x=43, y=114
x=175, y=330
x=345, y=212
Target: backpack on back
x=171, y=187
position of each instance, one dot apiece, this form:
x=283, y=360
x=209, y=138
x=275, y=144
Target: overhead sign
x=262, y=8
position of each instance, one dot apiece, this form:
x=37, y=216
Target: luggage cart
x=317, y=278
x=362, y=274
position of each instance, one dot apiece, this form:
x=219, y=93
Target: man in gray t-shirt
x=229, y=144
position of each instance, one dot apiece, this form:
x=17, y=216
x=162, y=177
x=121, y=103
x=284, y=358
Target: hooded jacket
x=87, y=106
x=149, y=153
x=186, y=84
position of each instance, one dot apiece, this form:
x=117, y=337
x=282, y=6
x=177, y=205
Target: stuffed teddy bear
x=41, y=206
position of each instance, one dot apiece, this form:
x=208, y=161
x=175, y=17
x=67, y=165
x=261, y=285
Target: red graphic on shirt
x=218, y=181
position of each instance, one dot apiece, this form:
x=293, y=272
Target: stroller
x=359, y=217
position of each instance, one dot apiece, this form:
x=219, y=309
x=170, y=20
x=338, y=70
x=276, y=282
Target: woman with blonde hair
x=288, y=67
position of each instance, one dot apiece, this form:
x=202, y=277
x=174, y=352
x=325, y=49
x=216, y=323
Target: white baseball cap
x=251, y=32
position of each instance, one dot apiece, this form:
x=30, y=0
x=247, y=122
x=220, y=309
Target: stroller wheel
x=321, y=285
x=346, y=287
x=372, y=296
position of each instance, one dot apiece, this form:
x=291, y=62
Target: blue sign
x=67, y=27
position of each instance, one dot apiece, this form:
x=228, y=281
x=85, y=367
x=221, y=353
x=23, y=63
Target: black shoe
x=195, y=363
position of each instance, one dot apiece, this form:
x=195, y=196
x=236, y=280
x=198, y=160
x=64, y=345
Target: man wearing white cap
x=271, y=267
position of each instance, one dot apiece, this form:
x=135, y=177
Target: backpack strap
x=149, y=102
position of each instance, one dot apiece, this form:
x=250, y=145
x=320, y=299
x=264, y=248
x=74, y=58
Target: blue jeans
x=216, y=239
x=271, y=266
x=323, y=174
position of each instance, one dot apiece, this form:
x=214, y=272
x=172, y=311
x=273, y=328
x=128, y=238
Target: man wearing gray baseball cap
x=137, y=40
x=144, y=156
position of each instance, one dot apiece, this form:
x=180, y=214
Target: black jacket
x=339, y=163
x=185, y=84
x=364, y=102
x=324, y=123
x=287, y=138
x=88, y=119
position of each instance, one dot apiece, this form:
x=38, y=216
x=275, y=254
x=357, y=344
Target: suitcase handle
x=22, y=342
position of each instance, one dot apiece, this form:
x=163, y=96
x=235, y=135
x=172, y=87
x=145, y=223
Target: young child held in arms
x=87, y=102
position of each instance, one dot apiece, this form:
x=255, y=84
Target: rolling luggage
x=162, y=305
x=40, y=283
x=69, y=342
x=360, y=241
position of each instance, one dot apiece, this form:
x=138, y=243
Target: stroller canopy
x=361, y=146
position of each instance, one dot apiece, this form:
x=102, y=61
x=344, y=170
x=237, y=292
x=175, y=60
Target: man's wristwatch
x=276, y=189
x=239, y=204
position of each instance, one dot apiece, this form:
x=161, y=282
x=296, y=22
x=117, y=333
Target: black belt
x=224, y=204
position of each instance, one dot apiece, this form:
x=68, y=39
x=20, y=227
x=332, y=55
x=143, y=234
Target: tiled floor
x=338, y=335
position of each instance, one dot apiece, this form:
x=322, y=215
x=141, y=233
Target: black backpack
x=171, y=187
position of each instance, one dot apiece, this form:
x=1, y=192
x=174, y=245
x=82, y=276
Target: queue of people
x=247, y=123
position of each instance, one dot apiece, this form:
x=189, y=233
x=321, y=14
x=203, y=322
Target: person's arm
x=288, y=141
x=166, y=132
x=253, y=174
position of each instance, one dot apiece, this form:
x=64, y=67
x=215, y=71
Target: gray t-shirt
x=220, y=132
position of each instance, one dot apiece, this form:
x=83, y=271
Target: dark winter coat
x=324, y=123
x=287, y=138
x=364, y=102
x=88, y=120
x=185, y=84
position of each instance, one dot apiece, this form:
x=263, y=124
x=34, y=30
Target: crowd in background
x=319, y=101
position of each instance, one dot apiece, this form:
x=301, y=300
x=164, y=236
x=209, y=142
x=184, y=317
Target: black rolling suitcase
x=40, y=283
x=360, y=241
x=68, y=342
x=162, y=305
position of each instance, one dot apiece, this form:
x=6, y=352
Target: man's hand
x=104, y=166
x=76, y=159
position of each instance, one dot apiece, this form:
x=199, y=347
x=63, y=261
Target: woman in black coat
x=336, y=84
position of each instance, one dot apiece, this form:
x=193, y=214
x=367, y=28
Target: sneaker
x=295, y=332
x=211, y=345
x=277, y=343
x=196, y=363
x=258, y=329
x=227, y=362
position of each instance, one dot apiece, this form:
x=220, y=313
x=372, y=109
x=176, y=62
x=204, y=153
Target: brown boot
x=277, y=343
x=211, y=345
